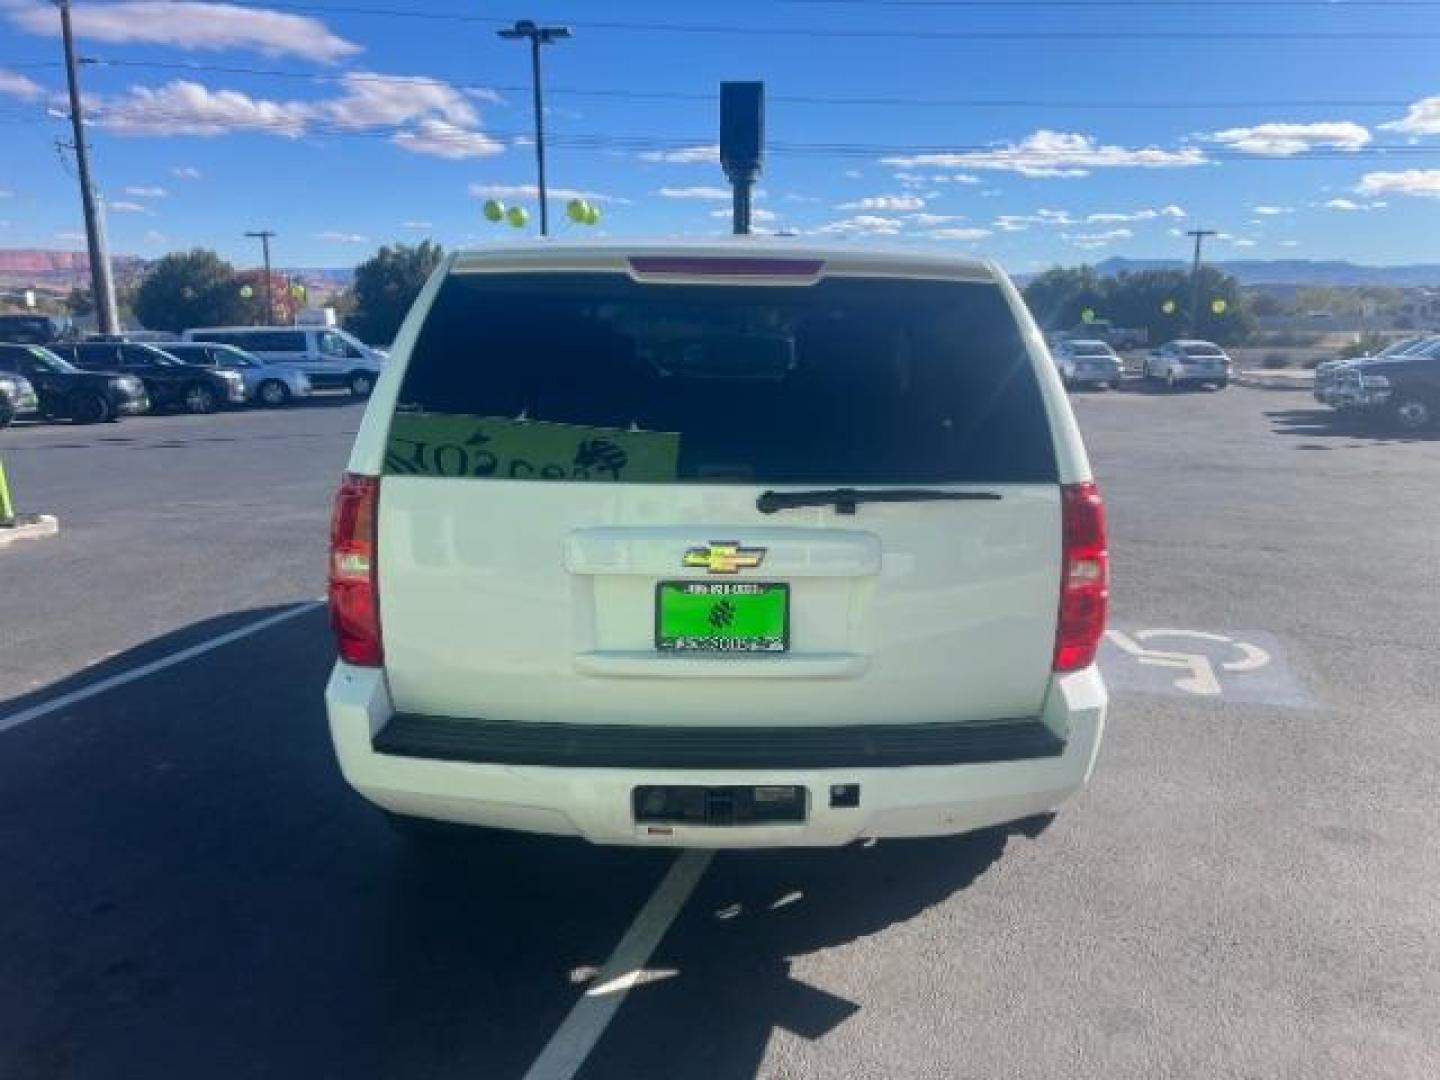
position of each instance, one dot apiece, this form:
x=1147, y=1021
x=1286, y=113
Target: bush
x=1274, y=360
x=1365, y=346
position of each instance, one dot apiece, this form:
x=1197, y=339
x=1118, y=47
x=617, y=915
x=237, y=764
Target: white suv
x=718, y=545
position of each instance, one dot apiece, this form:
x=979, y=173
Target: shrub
x=1275, y=360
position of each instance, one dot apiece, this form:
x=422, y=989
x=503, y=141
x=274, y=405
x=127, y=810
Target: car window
x=332, y=345
x=1200, y=350
x=274, y=341
x=845, y=381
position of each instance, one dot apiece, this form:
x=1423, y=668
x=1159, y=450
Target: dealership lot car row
x=95, y=381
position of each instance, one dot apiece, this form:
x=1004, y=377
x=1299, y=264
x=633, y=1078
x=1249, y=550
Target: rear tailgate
x=565, y=446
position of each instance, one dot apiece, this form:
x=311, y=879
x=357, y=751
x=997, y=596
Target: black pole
x=1199, y=235
x=741, y=199
x=102, y=286
x=539, y=134
x=264, y=235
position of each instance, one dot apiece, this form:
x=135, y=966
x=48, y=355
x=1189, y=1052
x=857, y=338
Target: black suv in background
x=169, y=383
x=1403, y=390
x=67, y=392
x=33, y=329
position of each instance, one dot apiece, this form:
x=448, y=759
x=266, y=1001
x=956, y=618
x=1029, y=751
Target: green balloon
x=494, y=210
x=592, y=215
x=1168, y=307
x=576, y=210
x=517, y=217
x=297, y=291
x=246, y=292
x=1088, y=315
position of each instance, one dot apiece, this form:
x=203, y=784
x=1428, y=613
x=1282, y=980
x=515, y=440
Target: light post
x=525, y=30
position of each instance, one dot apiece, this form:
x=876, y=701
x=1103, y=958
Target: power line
x=845, y=101
x=877, y=33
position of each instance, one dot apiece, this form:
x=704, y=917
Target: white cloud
x=146, y=192
x=1174, y=232
x=13, y=84
x=418, y=226
x=926, y=220
x=1243, y=242
x=432, y=117
x=1273, y=211
x=182, y=107
x=440, y=138
x=794, y=196
x=1098, y=239
x=1286, y=140
x=1424, y=183
x=336, y=236
x=758, y=214
x=154, y=238
x=186, y=172
x=6, y=193
x=1045, y=153
x=959, y=234
x=717, y=194
x=70, y=237
x=1022, y=222
x=853, y=174
x=1422, y=118
x=194, y=25
x=120, y=206
x=708, y=154
x=1351, y=205
x=868, y=224
x=885, y=202
x=1147, y=214
x=372, y=100
x=1289, y=243
x=530, y=191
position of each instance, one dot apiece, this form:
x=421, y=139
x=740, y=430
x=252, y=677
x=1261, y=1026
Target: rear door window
x=846, y=381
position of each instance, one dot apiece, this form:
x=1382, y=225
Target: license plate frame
x=770, y=640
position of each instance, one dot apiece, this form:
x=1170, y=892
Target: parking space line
x=24, y=716
x=581, y=1030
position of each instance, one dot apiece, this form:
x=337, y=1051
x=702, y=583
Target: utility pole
x=264, y=236
x=102, y=286
x=525, y=30
x=1199, y=235
x=742, y=144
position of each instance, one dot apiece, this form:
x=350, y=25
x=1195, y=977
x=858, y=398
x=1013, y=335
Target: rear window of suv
x=846, y=381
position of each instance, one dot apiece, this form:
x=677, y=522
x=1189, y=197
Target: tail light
x=354, y=572
x=1085, y=578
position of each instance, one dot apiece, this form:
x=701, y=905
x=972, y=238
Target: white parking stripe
x=576, y=1037
x=24, y=716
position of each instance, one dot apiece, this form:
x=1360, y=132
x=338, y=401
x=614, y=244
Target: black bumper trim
x=625, y=746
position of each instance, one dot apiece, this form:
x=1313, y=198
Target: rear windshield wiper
x=845, y=500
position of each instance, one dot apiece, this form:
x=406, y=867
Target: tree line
x=1157, y=301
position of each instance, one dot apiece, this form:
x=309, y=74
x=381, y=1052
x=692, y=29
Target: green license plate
x=722, y=616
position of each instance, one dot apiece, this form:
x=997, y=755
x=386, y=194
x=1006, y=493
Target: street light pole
x=102, y=286
x=264, y=235
x=1199, y=235
x=525, y=30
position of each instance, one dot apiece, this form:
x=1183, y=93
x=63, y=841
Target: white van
x=332, y=359
x=718, y=545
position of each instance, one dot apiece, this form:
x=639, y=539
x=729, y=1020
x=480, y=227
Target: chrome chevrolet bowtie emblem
x=723, y=557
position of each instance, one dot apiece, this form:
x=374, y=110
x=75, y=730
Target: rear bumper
x=594, y=801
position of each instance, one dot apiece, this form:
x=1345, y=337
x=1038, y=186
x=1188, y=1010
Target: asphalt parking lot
x=1247, y=889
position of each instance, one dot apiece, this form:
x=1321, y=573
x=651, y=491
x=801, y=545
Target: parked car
x=67, y=392
x=1087, y=362
x=1189, y=362
x=1403, y=390
x=331, y=358
x=33, y=329
x=169, y=383
x=17, y=399
x=1327, y=374
x=637, y=552
x=271, y=385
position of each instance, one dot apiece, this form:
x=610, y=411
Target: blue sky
x=343, y=130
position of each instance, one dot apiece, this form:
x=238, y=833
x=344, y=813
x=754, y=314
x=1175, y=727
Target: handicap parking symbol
x=1247, y=666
